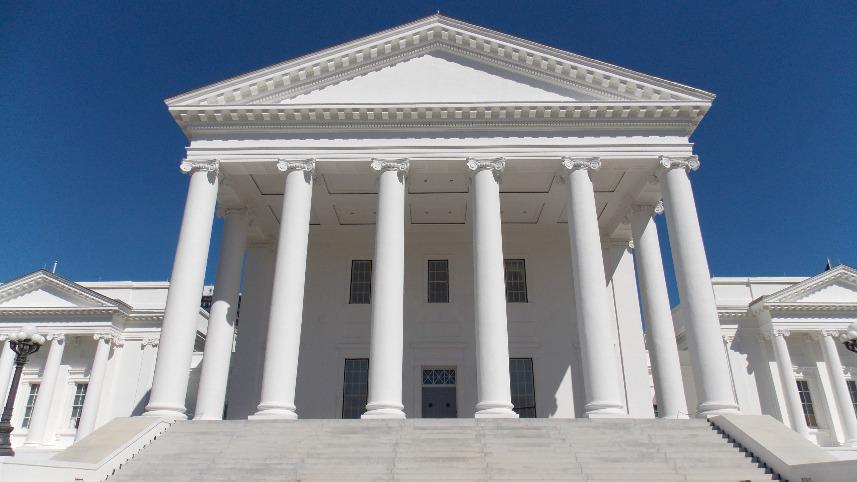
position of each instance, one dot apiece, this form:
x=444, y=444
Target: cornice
x=683, y=116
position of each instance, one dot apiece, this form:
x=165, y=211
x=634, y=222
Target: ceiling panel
x=419, y=182
x=356, y=209
x=599, y=206
x=438, y=208
x=528, y=182
x=269, y=183
x=606, y=180
x=351, y=183
x=521, y=208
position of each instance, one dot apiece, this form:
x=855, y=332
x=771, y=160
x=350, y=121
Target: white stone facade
x=779, y=331
x=433, y=141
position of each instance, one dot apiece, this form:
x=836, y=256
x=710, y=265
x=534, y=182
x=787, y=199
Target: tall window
x=28, y=407
x=516, y=280
x=355, y=387
x=523, y=387
x=852, y=389
x=361, y=282
x=438, y=281
x=77, y=403
x=806, y=403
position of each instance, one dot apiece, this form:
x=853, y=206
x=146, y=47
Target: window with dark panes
x=355, y=387
x=523, y=387
x=806, y=403
x=77, y=403
x=28, y=407
x=852, y=389
x=516, y=280
x=361, y=282
x=438, y=281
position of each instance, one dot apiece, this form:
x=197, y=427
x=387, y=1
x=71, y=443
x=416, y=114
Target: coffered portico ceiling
x=440, y=72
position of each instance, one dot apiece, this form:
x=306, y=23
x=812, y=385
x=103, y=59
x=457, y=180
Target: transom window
x=438, y=281
x=516, y=280
x=806, y=403
x=77, y=403
x=439, y=376
x=28, y=407
x=361, y=282
x=852, y=389
x=523, y=387
x=355, y=387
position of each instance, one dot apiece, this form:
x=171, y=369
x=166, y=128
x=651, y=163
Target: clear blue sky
x=84, y=183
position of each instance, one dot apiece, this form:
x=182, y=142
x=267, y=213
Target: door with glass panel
x=439, y=393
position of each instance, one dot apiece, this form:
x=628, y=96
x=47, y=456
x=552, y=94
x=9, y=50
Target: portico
x=446, y=131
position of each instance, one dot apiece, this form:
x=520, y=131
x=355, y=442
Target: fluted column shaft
x=91, y=402
x=7, y=366
x=221, y=322
x=42, y=409
x=787, y=380
x=388, y=286
x=279, y=375
x=600, y=369
x=840, y=387
x=494, y=395
x=669, y=388
x=178, y=330
x=708, y=358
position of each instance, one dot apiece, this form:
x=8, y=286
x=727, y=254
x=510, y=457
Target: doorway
x=439, y=393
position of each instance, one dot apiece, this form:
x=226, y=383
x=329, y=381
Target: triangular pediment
x=438, y=60
x=42, y=290
x=836, y=286
x=440, y=78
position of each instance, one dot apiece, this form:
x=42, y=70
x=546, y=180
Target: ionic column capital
x=400, y=165
x=189, y=166
x=497, y=164
x=575, y=163
x=306, y=165
x=153, y=342
x=59, y=337
x=689, y=163
x=109, y=339
x=780, y=332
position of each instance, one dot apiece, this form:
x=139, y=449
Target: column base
x=384, y=413
x=605, y=410
x=849, y=443
x=165, y=413
x=494, y=410
x=274, y=412
x=710, y=409
x=679, y=416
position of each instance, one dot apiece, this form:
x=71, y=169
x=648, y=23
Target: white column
x=42, y=408
x=96, y=385
x=279, y=375
x=600, y=370
x=788, y=382
x=669, y=388
x=221, y=321
x=388, y=286
x=7, y=365
x=827, y=339
x=708, y=359
x=494, y=395
x=178, y=330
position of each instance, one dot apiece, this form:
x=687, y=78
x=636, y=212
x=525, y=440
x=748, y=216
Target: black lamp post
x=849, y=339
x=24, y=343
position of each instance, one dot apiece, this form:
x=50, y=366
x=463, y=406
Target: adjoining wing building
x=438, y=221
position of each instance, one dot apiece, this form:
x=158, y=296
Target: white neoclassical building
x=440, y=220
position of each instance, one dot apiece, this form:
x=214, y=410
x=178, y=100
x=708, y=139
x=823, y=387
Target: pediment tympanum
x=42, y=290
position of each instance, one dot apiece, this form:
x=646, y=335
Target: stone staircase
x=449, y=450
